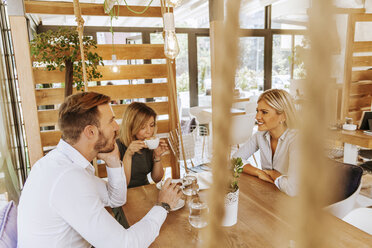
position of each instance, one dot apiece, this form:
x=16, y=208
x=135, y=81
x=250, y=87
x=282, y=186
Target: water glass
x=198, y=213
x=187, y=184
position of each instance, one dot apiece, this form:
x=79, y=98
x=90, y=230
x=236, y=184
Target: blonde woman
x=138, y=124
x=276, y=140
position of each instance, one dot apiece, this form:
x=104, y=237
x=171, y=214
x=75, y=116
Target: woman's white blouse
x=284, y=159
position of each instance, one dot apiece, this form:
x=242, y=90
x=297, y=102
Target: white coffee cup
x=152, y=143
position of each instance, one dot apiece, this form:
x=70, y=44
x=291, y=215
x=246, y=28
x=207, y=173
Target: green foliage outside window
x=60, y=50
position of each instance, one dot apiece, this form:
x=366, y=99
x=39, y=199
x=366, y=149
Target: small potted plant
x=232, y=196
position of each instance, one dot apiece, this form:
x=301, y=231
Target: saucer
x=160, y=184
x=179, y=205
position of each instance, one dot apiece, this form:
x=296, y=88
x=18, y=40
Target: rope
x=80, y=30
x=138, y=12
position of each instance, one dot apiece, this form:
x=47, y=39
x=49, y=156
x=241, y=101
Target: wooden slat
x=131, y=51
x=22, y=55
x=51, y=138
x=143, y=71
x=50, y=117
x=362, y=46
x=362, y=61
x=161, y=108
x=55, y=95
x=163, y=126
x=90, y=9
x=349, y=10
x=359, y=88
x=357, y=102
x=363, y=17
x=361, y=75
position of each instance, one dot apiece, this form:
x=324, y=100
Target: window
x=250, y=73
x=282, y=57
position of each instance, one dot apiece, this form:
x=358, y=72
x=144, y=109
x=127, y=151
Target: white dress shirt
x=284, y=159
x=62, y=205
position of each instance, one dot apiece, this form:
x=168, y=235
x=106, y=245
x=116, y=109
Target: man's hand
x=265, y=177
x=170, y=193
x=273, y=174
x=112, y=159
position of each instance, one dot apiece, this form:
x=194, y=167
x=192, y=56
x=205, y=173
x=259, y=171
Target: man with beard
x=62, y=203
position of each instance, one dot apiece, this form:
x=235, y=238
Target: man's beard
x=103, y=145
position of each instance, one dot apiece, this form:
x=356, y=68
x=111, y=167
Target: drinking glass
x=187, y=184
x=198, y=213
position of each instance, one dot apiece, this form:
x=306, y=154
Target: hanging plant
x=61, y=50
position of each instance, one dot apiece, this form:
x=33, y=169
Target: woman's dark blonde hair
x=135, y=116
x=282, y=102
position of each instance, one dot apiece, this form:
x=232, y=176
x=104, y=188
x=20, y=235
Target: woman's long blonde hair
x=134, y=117
x=282, y=102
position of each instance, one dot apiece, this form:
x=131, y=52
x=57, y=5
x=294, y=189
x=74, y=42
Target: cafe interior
x=202, y=66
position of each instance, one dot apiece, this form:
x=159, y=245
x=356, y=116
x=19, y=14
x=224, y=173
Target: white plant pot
x=231, y=209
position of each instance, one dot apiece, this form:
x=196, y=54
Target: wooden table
x=259, y=220
x=352, y=139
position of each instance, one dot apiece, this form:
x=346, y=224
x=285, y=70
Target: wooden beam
x=131, y=51
x=362, y=61
x=362, y=46
x=361, y=75
x=360, y=88
x=50, y=117
x=22, y=55
x=55, y=95
x=363, y=17
x=87, y=9
x=142, y=71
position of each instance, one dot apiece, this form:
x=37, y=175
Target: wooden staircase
x=357, y=89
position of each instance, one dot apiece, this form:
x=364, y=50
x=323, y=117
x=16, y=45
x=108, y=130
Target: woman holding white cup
x=140, y=151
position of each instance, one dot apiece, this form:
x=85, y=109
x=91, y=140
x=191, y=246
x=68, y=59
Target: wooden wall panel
x=55, y=95
x=142, y=71
x=131, y=51
x=22, y=55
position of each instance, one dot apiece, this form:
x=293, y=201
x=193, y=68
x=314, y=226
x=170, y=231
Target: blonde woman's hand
x=135, y=146
x=162, y=148
x=265, y=177
x=273, y=174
